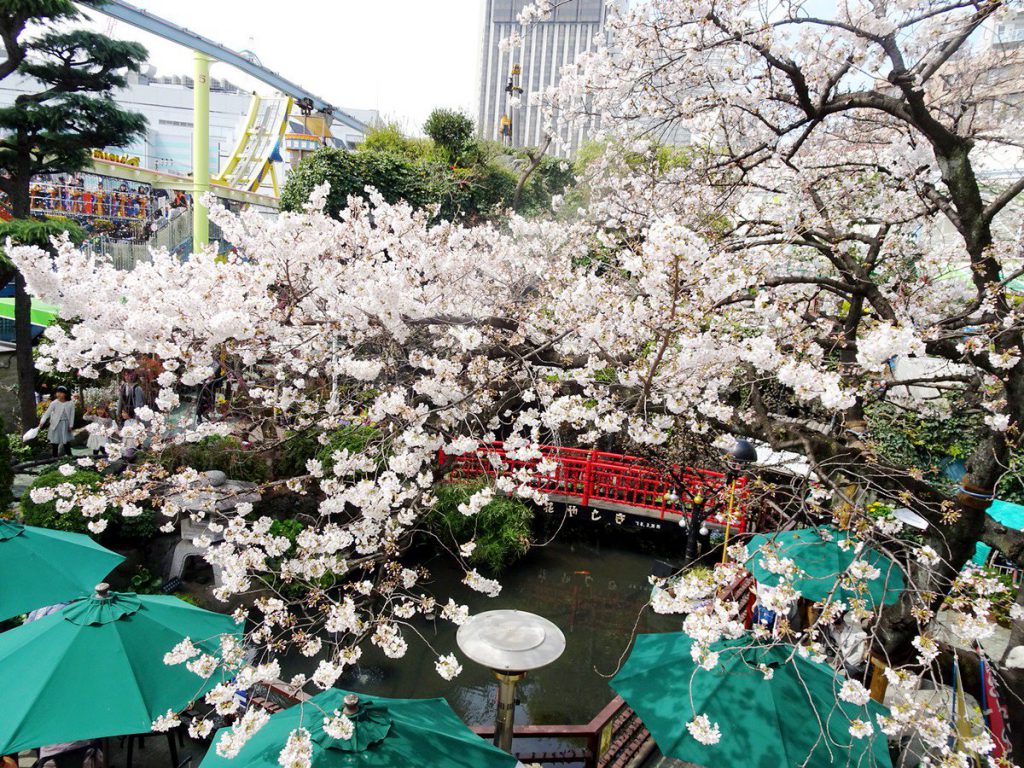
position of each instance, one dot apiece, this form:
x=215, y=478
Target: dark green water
x=593, y=590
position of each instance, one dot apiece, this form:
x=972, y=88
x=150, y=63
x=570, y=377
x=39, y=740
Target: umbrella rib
x=135, y=677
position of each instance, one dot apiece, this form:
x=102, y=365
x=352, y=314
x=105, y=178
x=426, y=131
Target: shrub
x=300, y=447
x=216, y=452
x=389, y=138
x=289, y=529
x=45, y=515
x=912, y=441
x=144, y=582
x=297, y=449
x=451, y=131
x=355, y=438
x=501, y=530
x=18, y=449
x=395, y=176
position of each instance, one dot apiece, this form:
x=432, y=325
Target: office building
x=533, y=64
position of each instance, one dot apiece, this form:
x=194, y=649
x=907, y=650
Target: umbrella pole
x=504, y=721
x=172, y=746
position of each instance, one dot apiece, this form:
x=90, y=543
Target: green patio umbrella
x=40, y=567
x=387, y=733
x=96, y=668
x=793, y=718
x=823, y=563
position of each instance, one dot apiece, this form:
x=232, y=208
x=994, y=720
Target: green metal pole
x=200, y=151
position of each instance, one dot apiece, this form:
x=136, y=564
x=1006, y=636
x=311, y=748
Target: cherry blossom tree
x=827, y=218
x=838, y=168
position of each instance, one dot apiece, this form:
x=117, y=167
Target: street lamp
x=738, y=455
x=695, y=526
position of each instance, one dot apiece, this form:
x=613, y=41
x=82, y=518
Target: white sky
x=403, y=57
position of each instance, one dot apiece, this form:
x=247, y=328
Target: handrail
x=589, y=477
x=613, y=736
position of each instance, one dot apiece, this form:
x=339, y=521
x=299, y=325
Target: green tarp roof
x=42, y=314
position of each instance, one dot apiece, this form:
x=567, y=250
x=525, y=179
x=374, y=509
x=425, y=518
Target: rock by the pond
x=214, y=491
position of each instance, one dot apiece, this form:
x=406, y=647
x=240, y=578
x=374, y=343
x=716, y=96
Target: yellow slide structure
x=259, y=146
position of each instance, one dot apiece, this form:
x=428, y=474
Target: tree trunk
x=21, y=208
x=535, y=159
x=23, y=353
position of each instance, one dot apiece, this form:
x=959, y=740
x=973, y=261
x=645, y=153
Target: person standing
x=61, y=415
x=131, y=438
x=102, y=424
x=130, y=395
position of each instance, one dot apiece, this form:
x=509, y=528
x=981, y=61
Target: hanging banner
x=995, y=712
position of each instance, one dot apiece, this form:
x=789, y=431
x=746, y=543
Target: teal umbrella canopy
x=387, y=733
x=824, y=557
x=1009, y=514
x=774, y=708
x=40, y=567
x=96, y=668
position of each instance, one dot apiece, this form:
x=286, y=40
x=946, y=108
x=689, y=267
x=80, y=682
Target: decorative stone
x=215, y=477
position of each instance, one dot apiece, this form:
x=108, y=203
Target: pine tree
x=53, y=128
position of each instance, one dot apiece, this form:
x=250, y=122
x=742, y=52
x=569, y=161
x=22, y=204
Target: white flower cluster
x=479, y=583
x=704, y=731
x=298, y=750
x=167, y=721
x=234, y=738
x=339, y=726
x=448, y=667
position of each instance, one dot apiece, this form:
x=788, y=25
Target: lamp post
x=510, y=644
x=740, y=454
x=698, y=514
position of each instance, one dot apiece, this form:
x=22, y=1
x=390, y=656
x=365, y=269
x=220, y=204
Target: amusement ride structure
x=259, y=146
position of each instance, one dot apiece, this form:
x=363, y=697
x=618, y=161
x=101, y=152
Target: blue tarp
x=1010, y=515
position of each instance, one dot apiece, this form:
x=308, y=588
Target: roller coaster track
x=144, y=20
x=259, y=146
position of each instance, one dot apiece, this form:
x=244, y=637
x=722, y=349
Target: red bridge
x=612, y=482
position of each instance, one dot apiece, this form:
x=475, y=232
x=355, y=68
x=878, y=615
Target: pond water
x=590, y=583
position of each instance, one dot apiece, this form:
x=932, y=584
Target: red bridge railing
x=611, y=481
